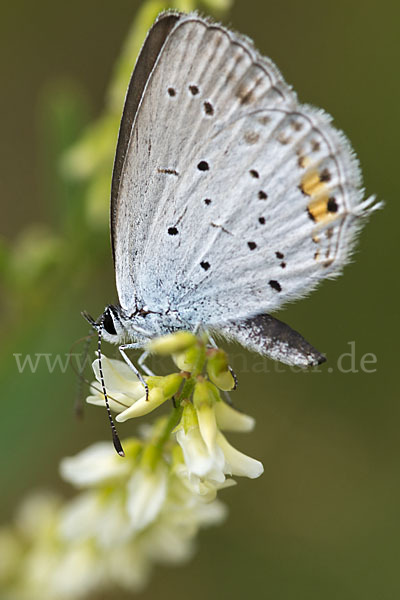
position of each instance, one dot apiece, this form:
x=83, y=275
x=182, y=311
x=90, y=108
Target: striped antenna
x=115, y=436
x=99, y=328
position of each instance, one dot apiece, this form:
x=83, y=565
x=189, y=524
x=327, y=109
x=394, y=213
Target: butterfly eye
x=108, y=323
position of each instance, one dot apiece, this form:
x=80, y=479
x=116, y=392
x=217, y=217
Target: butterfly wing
x=230, y=197
x=161, y=122
x=148, y=56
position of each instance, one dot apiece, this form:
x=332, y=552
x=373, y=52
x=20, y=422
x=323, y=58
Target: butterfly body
x=142, y=324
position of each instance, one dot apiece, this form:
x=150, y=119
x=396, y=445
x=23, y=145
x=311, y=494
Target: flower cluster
x=147, y=508
x=199, y=410
x=129, y=515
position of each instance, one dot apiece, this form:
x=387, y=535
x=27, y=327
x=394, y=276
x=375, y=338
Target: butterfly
x=229, y=198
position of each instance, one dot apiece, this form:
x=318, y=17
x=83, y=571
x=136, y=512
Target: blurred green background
x=324, y=520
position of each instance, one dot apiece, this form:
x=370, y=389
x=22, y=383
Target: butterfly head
x=109, y=324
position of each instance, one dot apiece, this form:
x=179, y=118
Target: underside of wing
x=231, y=197
x=148, y=56
x=169, y=113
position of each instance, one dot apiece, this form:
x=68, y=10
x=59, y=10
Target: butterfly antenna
x=115, y=437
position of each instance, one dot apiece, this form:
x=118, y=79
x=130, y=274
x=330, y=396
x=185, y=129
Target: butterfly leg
x=196, y=328
x=130, y=364
x=142, y=363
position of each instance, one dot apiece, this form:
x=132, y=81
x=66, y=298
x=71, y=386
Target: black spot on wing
x=332, y=205
x=208, y=109
x=203, y=165
x=325, y=175
x=275, y=285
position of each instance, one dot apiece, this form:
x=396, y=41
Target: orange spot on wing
x=311, y=183
x=318, y=209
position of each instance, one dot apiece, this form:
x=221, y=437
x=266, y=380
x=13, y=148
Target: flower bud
x=218, y=371
x=143, y=407
x=190, y=358
x=172, y=343
x=169, y=384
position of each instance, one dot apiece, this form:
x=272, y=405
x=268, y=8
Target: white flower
x=237, y=463
x=122, y=386
x=47, y=563
x=77, y=572
x=145, y=508
x=230, y=419
x=207, y=454
x=196, y=486
x=94, y=465
x=147, y=489
x=198, y=458
x=127, y=566
x=126, y=395
x=89, y=515
x=96, y=516
x=37, y=515
x=165, y=543
x=143, y=405
x=171, y=538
